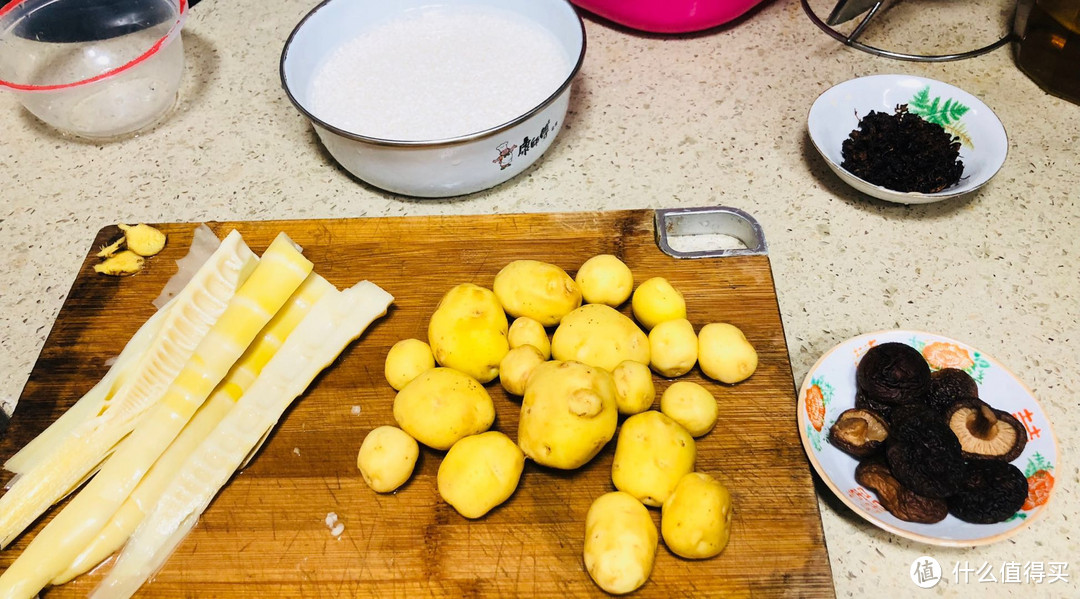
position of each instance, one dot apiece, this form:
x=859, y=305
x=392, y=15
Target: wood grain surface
x=265, y=534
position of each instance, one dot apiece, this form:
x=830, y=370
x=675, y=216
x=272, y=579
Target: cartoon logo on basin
x=506, y=149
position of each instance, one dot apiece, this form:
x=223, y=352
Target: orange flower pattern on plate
x=815, y=407
x=1039, y=486
x=947, y=355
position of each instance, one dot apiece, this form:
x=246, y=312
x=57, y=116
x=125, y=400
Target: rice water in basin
x=435, y=99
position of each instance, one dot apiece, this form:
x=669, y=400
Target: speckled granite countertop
x=655, y=122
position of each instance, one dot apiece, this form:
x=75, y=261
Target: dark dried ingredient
x=881, y=409
x=991, y=491
x=901, y=502
x=949, y=385
x=986, y=433
x=893, y=373
x=902, y=152
x=924, y=455
x=859, y=433
x=914, y=410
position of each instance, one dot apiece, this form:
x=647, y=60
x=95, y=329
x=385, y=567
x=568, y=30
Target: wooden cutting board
x=265, y=535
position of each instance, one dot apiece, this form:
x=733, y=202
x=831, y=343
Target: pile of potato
x=596, y=365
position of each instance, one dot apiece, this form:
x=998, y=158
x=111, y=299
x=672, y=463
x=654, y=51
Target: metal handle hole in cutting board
x=714, y=232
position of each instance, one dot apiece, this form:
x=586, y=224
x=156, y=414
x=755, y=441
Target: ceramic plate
x=984, y=144
x=829, y=389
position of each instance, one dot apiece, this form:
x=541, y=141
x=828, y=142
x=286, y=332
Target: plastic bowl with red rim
x=99, y=69
x=669, y=16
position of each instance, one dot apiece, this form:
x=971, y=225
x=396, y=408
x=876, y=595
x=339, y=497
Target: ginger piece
x=107, y=251
x=126, y=262
x=142, y=239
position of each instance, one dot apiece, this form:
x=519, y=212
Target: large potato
x=406, y=360
x=620, y=543
x=480, y=472
x=634, y=388
x=601, y=336
x=724, y=353
x=696, y=517
x=468, y=332
x=653, y=452
x=605, y=279
x=443, y=405
x=526, y=331
x=386, y=458
x=567, y=415
x=541, y=291
x=691, y=405
x=655, y=301
x=673, y=347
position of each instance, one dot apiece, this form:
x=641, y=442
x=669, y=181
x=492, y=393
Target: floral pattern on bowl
x=836, y=113
x=829, y=389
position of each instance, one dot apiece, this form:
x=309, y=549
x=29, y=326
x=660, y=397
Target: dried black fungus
x=991, y=491
x=986, y=433
x=901, y=502
x=859, y=433
x=893, y=373
x=949, y=385
x=924, y=455
x=902, y=152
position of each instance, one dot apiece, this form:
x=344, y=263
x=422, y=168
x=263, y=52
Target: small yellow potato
x=604, y=279
x=724, y=353
x=468, y=332
x=526, y=331
x=634, y=388
x=387, y=457
x=601, y=336
x=443, y=405
x=517, y=366
x=696, y=518
x=406, y=360
x=655, y=301
x=691, y=405
x=480, y=472
x=653, y=452
x=673, y=347
x=568, y=414
x=620, y=543
x=541, y=291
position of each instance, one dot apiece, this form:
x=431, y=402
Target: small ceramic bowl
x=669, y=16
x=836, y=113
x=439, y=167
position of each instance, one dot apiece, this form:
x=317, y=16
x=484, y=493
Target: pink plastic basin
x=668, y=16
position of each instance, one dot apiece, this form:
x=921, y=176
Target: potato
x=604, y=279
x=526, y=331
x=696, y=518
x=600, y=336
x=468, y=332
x=443, y=405
x=724, y=353
x=620, y=543
x=387, y=457
x=480, y=472
x=405, y=360
x=515, y=368
x=634, y=389
x=541, y=291
x=653, y=452
x=673, y=347
x=655, y=301
x=691, y=405
x=568, y=414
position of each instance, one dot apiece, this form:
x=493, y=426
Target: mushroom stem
x=983, y=423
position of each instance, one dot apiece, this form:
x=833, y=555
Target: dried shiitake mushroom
x=924, y=455
x=991, y=491
x=984, y=432
x=949, y=385
x=859, y=433
x=893, y=373
x=898, y=499
x=865, y=403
